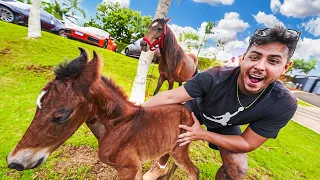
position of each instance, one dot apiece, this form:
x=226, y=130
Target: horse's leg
x=181, y=157
x=180, y=83
x=129, y=173
x=171, y=82
x=160, y=82
x=129, y=166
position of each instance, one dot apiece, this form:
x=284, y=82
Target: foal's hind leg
x=181, y=157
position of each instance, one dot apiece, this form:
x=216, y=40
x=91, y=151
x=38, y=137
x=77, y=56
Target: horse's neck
x=171, y=53
x=111, y=111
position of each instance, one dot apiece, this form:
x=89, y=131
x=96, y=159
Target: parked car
x=91, y=35
x=134, y=50
x=17, y=12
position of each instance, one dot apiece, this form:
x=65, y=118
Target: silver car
x=134, y=50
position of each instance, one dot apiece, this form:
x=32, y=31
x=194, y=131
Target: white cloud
x=296, y=8
x=267, y=20
x=226, y=30
x=307, y=48
x=228, y=27
x=123, y=3
x=215, y=2
x=313, y=26
x=275, y=5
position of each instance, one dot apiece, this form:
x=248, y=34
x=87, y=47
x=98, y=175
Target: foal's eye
x=62, y=115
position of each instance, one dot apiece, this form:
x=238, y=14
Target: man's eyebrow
x=256, y=52
x=272, y=55
x=276, y=55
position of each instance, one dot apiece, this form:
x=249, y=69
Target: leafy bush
x=121, y=46
x=206, y=63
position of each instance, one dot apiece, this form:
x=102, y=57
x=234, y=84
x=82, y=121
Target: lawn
x=26, y=66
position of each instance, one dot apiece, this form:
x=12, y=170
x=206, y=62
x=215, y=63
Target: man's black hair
x=276, y=34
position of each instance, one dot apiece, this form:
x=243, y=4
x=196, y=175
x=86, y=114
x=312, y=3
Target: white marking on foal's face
x=39, y=104
x=154, y=24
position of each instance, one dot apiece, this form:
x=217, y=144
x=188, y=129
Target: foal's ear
x=167, y=20
x=91, y=72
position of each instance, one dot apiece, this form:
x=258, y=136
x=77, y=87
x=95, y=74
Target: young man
x=223, y=98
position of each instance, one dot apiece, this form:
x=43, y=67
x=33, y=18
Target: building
x=308, y=83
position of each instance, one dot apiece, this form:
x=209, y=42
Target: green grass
x=26, y=66
x=302, y=103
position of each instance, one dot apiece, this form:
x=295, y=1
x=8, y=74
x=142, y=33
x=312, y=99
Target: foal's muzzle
x=16, y=166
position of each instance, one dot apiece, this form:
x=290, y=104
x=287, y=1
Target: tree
x=303, y=66
x=123, y=23
x=191, y=39
x=67, y=10
x=208, y=30
x=139, y=86
x=34, y=26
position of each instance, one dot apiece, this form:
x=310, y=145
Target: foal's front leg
x=130, y=173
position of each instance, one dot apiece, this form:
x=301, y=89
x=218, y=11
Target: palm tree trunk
x=34, y=27
x=139, y=86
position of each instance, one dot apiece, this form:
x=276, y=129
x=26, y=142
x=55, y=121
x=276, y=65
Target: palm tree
x=139, y=86
x=34, y=27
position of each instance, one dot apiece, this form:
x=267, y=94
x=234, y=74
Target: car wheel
x=126, y=52
x=61, y=33
x=116, y=49
x=6, y=14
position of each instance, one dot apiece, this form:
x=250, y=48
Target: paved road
x=308, y=97
x=308, y=117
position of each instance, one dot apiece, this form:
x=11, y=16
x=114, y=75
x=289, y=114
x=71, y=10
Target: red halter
x=159, y=41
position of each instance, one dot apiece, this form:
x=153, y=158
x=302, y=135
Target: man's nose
x=261, y=64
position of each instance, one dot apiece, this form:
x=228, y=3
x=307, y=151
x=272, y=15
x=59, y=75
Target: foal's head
x=62, y=106
x=155, y=35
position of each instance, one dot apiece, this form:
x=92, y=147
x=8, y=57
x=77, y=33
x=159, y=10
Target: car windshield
x=97, y=31
x=138, y=41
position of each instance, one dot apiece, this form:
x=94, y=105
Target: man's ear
x=90, y=73
x=167, y=20
x=286, y=67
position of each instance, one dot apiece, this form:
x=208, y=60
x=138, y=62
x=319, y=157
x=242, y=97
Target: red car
x=91, y=35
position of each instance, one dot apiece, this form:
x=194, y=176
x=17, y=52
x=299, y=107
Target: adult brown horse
x=175, y=65
x=127, y=134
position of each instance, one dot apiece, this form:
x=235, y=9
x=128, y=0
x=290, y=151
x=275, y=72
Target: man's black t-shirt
x=216, y=103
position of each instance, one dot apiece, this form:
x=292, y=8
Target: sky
x=236, y=21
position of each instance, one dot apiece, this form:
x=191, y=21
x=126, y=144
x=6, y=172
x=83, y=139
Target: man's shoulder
x=221, y=73
x=282, y=93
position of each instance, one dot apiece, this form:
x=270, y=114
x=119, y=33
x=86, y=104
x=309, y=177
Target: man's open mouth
x=255, y=78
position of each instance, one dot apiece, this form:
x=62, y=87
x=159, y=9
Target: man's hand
x=193, y=133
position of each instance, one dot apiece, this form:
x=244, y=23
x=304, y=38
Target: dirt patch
x=40, y=69
x=78, y=162
x=5, y=51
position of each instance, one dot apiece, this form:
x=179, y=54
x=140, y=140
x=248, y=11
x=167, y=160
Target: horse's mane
x=69, y=69
x=172, y=49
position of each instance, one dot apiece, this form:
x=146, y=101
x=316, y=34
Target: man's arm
x=173, y=96
x=246, y=142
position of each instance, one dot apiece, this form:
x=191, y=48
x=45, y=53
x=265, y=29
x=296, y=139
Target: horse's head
x=62, y=106
x=155, y=35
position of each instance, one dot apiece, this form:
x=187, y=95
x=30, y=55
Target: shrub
x=206, y=63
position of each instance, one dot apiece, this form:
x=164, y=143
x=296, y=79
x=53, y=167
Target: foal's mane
x=70, y=69
x=173, y=52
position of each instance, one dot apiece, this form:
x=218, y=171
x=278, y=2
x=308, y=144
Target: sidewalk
x=308, y=117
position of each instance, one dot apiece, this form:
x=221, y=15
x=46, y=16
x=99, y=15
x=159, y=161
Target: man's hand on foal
x=193, y=133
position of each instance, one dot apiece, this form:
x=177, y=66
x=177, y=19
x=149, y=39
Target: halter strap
x=159, y=41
